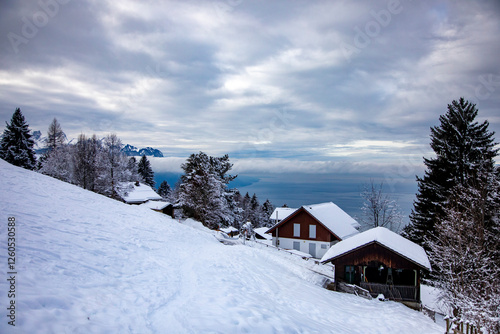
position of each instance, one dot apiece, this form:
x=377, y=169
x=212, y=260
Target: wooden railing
x=459, y=327
x=353, y=289
x=392, y=292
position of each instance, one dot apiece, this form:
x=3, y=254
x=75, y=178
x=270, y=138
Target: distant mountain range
x=129, y=150
x=147, y=151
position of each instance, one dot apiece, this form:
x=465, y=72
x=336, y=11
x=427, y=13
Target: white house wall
x=287, y=243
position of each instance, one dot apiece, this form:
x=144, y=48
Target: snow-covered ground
x=89, y=264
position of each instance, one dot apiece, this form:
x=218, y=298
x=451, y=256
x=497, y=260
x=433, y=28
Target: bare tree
x=465, y=253
x=379, y=209
x=55, y=135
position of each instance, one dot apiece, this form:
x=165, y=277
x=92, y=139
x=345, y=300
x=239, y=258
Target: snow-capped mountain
x=147, y=151
x=129, y=150
x=40, y=142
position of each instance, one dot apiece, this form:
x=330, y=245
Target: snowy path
x=88, y=264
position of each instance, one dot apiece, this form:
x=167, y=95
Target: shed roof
x=156, y=205
x=229, y=229
x=262, y=232
x=138, y=194
x=385, y=237
x=282, y=213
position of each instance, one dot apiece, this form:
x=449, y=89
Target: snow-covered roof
x=229, y=229
x=156, y=205
x=385, y=237
x=334, y=218
x=138, y=194
x=282, y=213
x=262, y=232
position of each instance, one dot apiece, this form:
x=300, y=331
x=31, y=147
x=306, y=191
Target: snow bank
x=89, y=264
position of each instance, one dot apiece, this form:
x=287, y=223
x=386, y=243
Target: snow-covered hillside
x=89, y=264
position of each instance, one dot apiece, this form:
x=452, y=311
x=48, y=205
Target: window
x=312, y=231
x=296, y=245
x=349, y=274
x=323, y=246
x=296, y=230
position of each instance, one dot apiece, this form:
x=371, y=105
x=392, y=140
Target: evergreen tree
x=234, y=200
x=16, y=146
x=245, y=205
x=267, y=210
x=132, y=168
x=55, y=135
x=254, y=211
x=461, y=145
x=203, y=191
x=164, y=189
x=146, y=172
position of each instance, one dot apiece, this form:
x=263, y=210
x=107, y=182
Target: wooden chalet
x=313, y=229
x=137, y=193
x=160, y=206
x=381, y=262
x=231, y=231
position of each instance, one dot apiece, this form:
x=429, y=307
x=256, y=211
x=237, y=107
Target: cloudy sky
x=309, y=98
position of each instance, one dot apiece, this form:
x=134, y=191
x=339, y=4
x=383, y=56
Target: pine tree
x=16, y=146
x=146, y=172
x=267, y=210
x=55, y=135
x=254, y=211
x=245, y=205
x=164, y=189
x=203, y=189
x=461, y=145
x=234, y=200
x=132, y=168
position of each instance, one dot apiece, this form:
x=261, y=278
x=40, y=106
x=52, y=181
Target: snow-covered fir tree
x=203, y=190
x=164, y=189
x=16, y=146
x=254, y=211
x=461, y=145
x=146, y=172
x=267, y=210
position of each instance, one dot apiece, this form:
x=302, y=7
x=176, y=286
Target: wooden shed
x=381, y=262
